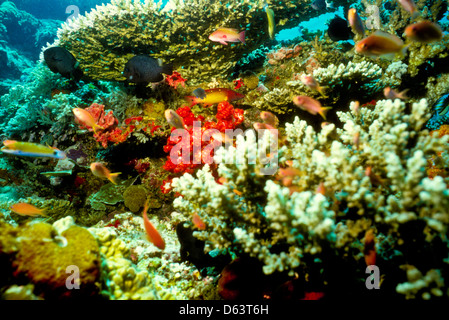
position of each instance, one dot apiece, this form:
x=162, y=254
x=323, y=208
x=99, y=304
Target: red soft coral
x=105, y=121
x=175, y=79
x=110, y=132
x=178, y=163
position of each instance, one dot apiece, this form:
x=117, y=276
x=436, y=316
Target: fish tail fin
x=191, y=100
x=324, y=111
x=403, y=51
x=321, y=91
x=242, y=37
x=167, y=69
x=113, y=177
x=97, y=127
x=44, y=213
x=403, y=94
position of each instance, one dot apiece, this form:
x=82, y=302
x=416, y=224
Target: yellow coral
x=107, y=37
x=123, y=280
x=135, y=197
x=44, y=256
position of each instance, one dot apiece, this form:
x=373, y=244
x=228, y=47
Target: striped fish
x=440, y=113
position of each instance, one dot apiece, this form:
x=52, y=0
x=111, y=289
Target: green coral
x=421, y=54
x=109, y=195
x=135, y=197
x=43, y=256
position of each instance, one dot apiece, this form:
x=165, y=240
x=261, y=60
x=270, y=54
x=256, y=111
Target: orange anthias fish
x=99, y=170
x=410, y=6
x=214, y=96
x=286, y=177
x=197, y=222
x=355, y=22
x=381, y=43
x=225, y=35
x=264, y=126
x=424, y=31
x=269, y=118
x=152, y=234
x=374, y=178
x=26, y=209
x=174, y=119
x=313, y=84
x=310, y=105
x=369, y=249
x=392, y=94
x=85, y=117
x=321, y=189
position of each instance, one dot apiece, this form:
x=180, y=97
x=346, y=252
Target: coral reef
x=135, y=197
x=194, y=143
x=124, y=28
x=301, y=211
x=134, y=269
x=288, y=229
x=21, y=37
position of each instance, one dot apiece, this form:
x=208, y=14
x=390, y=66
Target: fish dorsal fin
x=389, y=36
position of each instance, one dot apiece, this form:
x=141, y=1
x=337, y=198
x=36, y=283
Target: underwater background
x=224, y=150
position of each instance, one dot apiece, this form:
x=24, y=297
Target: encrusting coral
x=134, y=269
x=135, y=197
x=47, y=255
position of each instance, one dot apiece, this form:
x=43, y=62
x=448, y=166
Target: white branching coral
x=371, y=174
x=394, y=146
x=419, y=285
x=218, y=204
x=333, y=74
x=370, y=77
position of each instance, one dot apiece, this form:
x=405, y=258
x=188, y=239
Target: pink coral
x=105, y=121
x=277, y=56
x=109, y=132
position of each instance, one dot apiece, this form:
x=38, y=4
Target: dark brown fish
x=145, y=69
x=338, y=29
x=61, y=61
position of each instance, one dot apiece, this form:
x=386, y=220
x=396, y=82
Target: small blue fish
x=199, y=93
x=440, y=113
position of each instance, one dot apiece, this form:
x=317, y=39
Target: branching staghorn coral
x=393, y=144
x=293, y=225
